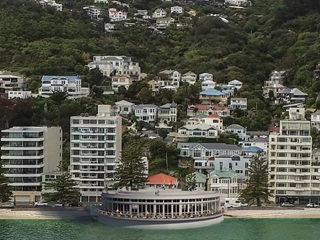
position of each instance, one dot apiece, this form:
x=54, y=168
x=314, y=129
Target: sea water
x=230, y=229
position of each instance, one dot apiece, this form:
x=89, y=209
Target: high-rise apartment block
x=27, y=154
x=95, y=146
x=293, y=174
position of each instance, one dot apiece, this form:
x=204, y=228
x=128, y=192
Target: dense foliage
x=257, y=191
x=5, y=189
x=63, y=190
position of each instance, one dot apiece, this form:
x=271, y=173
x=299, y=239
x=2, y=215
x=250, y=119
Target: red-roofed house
x=214, y=120
x=202, y=109
x=161, y=179
x=116, y=16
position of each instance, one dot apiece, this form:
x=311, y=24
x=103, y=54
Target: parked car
x=41, y=204
x=57, y=205
x=312, y=205
x=287, y=204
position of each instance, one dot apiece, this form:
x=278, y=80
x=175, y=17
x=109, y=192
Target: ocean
x=230, y=229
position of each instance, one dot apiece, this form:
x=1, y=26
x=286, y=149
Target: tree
x=257, y=190
x=5, y=189
x=163, y=133
x=131, y=169
x=64, y=190
x=191, y=180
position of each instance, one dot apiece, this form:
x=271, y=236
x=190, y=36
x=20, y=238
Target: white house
x=205, y=77
x=238, y=103
x=238, y=130
x=212, y=94
x=51, y=3
x=202, y=109
x=117, y=16
x=159, y=13
x=121, y=81
x=260, y=142
x=109, y=27
x=189, y=77
x=163, y=23
x=123, y=107
x=154, y=86
x=167, y=113
x=112, y=65
x=92, y=11
x=214, y=120
x=10, y=82
x=236, y=83
x=198, y=131
x=146, y=112
x=19, y=94
x=315, y=119
x=207, y=84
x=170, y=79
x=69, y=84
x=225, y=182
x=176, y=9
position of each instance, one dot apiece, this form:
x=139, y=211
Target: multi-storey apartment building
x=95, y=146
x=28, y=153
x=292, y=175
x=69, y=84
x=9, y=82
x=113, y=65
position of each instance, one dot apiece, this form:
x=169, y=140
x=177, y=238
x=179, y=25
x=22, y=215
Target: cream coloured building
x=27, y=154
x=95, y=146
x=293, y=176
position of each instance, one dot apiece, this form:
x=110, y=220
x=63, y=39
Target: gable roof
x=225, y=173
x=124, y=102
x=197, y=127
x=213, y=116
x=199, y=177
x=235, y=81
x=296, y=91
x=161, y=179
x=235, y=126
x=215, y=146
x=252, y=149
x=67, y=78
x=141, y=106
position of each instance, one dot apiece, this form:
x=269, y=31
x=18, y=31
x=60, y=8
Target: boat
x=159, y=209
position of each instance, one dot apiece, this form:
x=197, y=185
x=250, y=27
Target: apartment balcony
x=24, y=166
x=23, y=174
x=28, y=139
x=8, y=147
x=15, y=184
x=6, y=156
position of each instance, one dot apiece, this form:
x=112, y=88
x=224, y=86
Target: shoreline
x=274, y=213
x=11, y=214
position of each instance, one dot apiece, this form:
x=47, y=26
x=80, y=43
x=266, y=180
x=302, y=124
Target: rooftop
x=225, y=173
x=213, y=92
x=161, y=178
x=68, y=78
x=216, y=146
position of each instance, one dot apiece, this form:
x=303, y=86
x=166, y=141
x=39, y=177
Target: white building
x=238, y=103
x=113, y=65
x=236, y=83
x=205, y=77
x=109, y=27
x=68, y=84
x=176, y=9
x=238, y=130
x=159, y=13
x=207, y=84
x=214, y=120
x=173, y=75
x=123, y=107
x=19, y=94
x=146, y=112
x=121, y=81
x=189, y=77
x=315, y=119
x=198, y=131
x=167, y=114
x=9, y=82
x=117, y=16
x=51, y=3
x=92, y=11
x=202, y=109
x=27, y=154
x=95, y=146
x=292, y=176
x=225, y=182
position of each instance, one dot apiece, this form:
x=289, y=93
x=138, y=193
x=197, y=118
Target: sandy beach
x=274, y=213
x=42, y=214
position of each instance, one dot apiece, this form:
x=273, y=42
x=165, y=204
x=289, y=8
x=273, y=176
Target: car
x=287, y=204
x=312, y=205
x=41, y=204
x=57, y=205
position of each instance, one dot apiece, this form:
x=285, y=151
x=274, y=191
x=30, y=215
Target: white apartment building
x=207, y=84
x=238, y=103
x=92, y=11
x=159, y=13
x=121, y=81
x=167, y=113
x=19, y=94
x=176, y=9
x=292, y=176
x=69, y=84
x=113, y=65
x=9, y=82
x=236, y=83
x=28, y=153
x=95, y=146
x=205, y=77
x=146, y=112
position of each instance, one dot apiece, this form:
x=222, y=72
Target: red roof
x=161, y=179
x=213, y=116
x=203, y=107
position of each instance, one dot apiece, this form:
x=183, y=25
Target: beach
x=274, y=213
x=42, y=214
